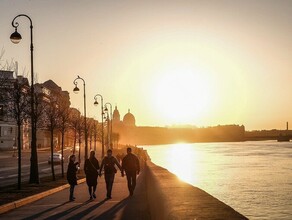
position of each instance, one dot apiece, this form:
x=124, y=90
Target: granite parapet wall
x=172, y=199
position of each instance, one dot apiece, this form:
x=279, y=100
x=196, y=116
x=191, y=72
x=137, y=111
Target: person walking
x=131, y=165
x=71, y=175
x=91, y=169
x=108, y=163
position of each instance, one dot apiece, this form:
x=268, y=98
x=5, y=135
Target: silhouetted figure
x=131, y=165
x=91, y=169
x=71, y=175
x=108, y=163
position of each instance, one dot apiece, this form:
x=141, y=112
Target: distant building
x=122, y=129
x=116, y=116
x=44, y=93
x=8, y=128
x=128, y=119
x=128, y=133
x=49, y=90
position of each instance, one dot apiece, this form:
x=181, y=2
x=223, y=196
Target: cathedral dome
x=129, y=119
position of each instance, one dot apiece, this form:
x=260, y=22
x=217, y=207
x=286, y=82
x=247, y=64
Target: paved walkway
x=121, y=206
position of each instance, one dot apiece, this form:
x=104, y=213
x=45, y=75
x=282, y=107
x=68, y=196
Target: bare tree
x=90, y=124
x=15, y=94
x=116, y=139
x=34, y=175
x=96, y=133
x=76, y=125
x=52, y=123
x=81, y=135
x=64, y=119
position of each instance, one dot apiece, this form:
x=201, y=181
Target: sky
x=170, y=62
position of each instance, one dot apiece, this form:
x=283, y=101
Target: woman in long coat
x=91, y=169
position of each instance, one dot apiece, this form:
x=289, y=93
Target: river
x=254, y=178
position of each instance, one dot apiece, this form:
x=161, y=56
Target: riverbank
x=170, y=198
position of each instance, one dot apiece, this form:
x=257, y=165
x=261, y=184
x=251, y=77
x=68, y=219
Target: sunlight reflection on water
x=254, y=178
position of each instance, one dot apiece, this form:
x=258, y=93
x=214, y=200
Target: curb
x=16, y=204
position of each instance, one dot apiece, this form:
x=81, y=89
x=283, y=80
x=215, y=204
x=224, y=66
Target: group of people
x=130, y=165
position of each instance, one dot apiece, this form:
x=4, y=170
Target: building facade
x=45, y=92
x=8, y=127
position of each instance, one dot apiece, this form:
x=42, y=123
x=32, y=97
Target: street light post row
x=16, y=38
x=102, y=113
x=76, y=90
x=108, y=130
x=111, y=123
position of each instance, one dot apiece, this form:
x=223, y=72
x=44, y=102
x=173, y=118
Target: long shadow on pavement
x=111, y=213
x=62, y=214
x=36, y=216
x=85, y=212
x=137, y=206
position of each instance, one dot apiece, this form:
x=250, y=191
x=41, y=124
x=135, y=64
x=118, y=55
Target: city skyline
x=178, y=62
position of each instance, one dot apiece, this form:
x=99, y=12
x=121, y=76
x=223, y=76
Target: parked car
x=57, y=158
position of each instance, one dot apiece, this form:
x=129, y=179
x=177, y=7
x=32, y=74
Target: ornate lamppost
x=16, y=38
x=102, y=131
x=111, y=122
x=76, y=90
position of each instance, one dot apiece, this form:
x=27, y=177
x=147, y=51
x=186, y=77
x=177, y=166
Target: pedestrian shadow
x=62, y=214
x=111, y=213
x=80, y=215
x=133, y=207
x=37, y=215
x=138, y=207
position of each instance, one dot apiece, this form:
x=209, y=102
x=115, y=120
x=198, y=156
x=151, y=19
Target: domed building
x=129, y=119
x=123, y=130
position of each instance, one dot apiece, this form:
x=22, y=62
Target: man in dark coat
x=131, y=165
x=91, y=169
x=108, y=163
x=71, y=175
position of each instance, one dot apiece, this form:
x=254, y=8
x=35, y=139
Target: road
x=9, y=170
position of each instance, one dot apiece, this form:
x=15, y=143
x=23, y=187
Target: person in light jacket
x=108, y=163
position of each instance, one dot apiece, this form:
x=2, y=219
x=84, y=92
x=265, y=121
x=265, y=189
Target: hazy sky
x=171, y=62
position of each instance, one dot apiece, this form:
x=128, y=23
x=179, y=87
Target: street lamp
x=102, y=132
x=16, y=38
x=108, y=129
x=111, y=113
x=76, y=90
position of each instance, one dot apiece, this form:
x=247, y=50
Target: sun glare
x=183, y=94
x=183, y=157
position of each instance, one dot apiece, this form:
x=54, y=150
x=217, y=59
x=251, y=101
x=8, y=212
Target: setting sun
x=183, y=93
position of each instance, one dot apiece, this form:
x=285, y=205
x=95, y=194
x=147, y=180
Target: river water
x=254, y=178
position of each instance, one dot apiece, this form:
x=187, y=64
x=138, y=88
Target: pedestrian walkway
x=121, y=206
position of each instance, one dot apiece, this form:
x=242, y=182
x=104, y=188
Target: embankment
x=170, y=198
